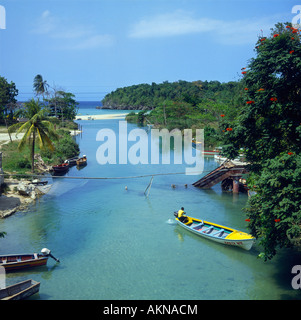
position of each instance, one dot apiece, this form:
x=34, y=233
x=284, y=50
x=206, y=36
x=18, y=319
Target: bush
x=65, y=148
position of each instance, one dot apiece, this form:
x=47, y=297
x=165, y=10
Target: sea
x=113, y=229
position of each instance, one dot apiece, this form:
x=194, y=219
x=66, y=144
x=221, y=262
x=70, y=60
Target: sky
x=92, y=47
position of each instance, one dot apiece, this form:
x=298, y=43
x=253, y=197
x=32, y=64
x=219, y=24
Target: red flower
x=294, y=31
x=248, y=220
x=246, y=89
x=222, y=115
x=250, y=102
x=262, y=39
x=261, y=89
x=293, y=38
x=288, y=27
x=244, y=72
x=276, y=35
x=273, y=99
x=229, y=129
x=290, y=153
x=292, y=51
x=277, y=220
x=243, y=68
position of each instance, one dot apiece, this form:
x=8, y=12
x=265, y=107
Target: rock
x=24, y=189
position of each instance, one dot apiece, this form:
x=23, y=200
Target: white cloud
x=170, y=24
x=183, y=22
x=74, y=36
x=45, y=23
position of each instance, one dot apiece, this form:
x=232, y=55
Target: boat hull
x=228, y=236
x=72, y=161
x=20, y=291
x=81, y=162
x=61, y=168
x=22, y=261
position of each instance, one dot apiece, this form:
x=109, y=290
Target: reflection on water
x=114, y=243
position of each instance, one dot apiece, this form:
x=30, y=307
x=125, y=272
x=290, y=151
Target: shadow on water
x=286, y=259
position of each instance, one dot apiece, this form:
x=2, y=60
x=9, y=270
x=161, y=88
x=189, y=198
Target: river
x=116, y=243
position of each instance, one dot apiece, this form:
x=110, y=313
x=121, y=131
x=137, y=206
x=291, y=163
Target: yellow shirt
x=180, y=213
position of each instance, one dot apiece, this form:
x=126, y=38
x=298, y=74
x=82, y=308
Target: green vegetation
x=8, y=93
x=40, y=123
x=36, y=128
x=20, y=162
x=148, y=97
x=40, y=86
x=182, y=105
x=64, y=148
x=268, y=128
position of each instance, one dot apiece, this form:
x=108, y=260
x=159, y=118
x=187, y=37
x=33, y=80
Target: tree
x=40, y=86
x=63, y=105
x=36, y=128
x=8, y=93
x=269, y=130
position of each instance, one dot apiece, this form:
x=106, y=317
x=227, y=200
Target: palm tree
x=40, y=86
x=37, y=127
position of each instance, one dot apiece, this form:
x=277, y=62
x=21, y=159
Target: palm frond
x=44, y=140
x=26, y=137
x=14, y=127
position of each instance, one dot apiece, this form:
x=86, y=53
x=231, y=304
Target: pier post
x=235, y=188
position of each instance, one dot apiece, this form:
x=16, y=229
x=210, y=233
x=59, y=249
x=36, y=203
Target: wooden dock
x=227, y=170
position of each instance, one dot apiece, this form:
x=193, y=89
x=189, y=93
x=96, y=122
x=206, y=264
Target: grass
x=13, y=160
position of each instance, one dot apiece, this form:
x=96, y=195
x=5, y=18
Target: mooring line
x=96, y=178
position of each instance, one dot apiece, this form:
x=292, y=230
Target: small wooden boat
x=61, y=168
x=217, y=233
x=209, y=153
x=72, y=161
x=19, y=291
x=14, y=262
x=82, y=161
x=39, y=182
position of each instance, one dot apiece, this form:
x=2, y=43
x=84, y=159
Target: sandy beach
x=101, y=116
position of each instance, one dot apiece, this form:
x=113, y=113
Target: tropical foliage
x=148, y=97
x=63, y=105
x=36, y=128
x=269, y=130
x=40, y=85
x=8, y=93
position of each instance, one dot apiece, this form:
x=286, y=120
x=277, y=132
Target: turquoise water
x=115, y=243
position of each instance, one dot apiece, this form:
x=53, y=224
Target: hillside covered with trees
x=180, y=104
x=149, y=96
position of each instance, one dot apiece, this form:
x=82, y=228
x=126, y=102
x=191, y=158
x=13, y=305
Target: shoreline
x=101, y=116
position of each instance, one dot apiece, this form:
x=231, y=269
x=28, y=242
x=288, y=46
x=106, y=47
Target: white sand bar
x=101, y=116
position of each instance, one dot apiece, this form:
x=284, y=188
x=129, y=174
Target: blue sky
x=91, y=47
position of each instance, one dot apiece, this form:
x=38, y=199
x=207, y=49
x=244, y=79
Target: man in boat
x=181, y=215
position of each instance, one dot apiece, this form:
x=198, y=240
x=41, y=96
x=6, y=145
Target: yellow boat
x=217, y=233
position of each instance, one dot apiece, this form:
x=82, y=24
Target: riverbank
x=18, y=194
